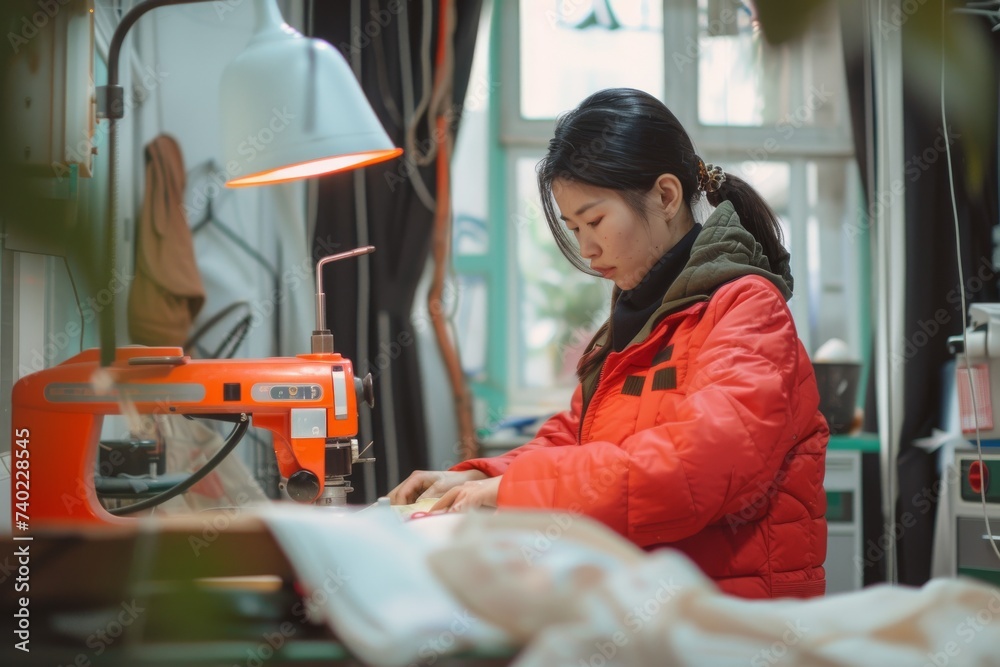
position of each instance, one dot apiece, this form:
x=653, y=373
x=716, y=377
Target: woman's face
x=619, y=244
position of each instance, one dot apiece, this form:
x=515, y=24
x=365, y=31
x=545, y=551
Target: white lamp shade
x=291, y=108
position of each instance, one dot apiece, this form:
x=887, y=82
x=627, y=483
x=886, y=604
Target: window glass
x=470, y=161
x=471, y=318
x=743, y=81
x=833, y=251
x=471, y=235
x=572, y=49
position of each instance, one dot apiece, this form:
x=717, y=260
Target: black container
x=838, y=391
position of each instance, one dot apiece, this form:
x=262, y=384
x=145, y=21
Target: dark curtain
x=379, y=205
x=932, y=309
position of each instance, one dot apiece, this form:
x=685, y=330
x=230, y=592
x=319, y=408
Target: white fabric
x=574, y=593
x=366, y=574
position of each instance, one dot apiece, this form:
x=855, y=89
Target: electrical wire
x=234, y=439
x=382, y=71
x=441, y=238
x=961, y=288
x=405, y=64
x=406, y=78
x=76, y=300
x=424, y=108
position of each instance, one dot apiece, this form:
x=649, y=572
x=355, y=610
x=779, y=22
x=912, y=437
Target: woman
x=696, y=422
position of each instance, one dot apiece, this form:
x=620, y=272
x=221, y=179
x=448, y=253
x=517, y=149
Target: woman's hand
x=479, y=493
x=430, y=484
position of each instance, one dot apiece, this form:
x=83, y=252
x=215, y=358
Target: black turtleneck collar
x=635, y=306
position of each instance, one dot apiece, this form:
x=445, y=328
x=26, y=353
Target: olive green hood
x=723, y=251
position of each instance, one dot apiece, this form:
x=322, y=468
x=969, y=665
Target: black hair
x=624, y=139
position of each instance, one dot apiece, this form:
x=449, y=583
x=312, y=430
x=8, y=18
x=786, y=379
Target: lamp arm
x=118, y=38
x=114, y=109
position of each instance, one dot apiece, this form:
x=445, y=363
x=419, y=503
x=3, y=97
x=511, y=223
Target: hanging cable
x=76, y=300
x=441, y=241
x=382, y=72
x=242, y=422
x=429, y=81
x=406, y=78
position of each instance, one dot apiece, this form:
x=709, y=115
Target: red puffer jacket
x=704, y=436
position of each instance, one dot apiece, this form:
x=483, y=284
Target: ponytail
x=756, y=216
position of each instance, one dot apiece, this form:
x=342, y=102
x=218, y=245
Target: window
x=564, y=51
x=775, y=116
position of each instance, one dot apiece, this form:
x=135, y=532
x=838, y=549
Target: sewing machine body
x=309, y=402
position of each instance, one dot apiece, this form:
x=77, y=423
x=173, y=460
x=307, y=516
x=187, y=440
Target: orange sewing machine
x=309, y=402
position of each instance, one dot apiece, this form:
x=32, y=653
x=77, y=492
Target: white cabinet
x=844, y=563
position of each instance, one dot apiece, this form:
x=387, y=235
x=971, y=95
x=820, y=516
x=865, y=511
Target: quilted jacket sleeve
x=560, y=430
x=740, y=415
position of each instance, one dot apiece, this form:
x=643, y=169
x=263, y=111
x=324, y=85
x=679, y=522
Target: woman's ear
x=670, y=194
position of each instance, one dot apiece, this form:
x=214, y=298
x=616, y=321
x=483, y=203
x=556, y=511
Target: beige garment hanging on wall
x=166, y=293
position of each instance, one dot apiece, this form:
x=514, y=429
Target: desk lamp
x=309, y=402
x=337, y=130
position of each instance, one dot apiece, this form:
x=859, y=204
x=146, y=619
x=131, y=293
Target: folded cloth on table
x=366, y=575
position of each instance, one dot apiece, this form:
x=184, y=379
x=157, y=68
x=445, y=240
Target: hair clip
x=710, y=177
